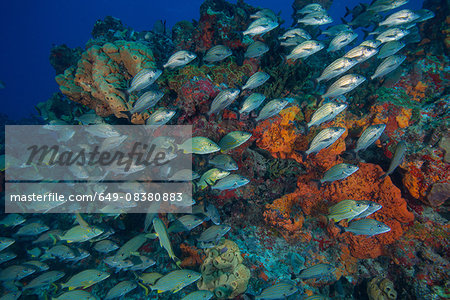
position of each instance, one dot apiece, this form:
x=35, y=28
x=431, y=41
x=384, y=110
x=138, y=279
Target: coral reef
x=223, y=272
x=381, y=289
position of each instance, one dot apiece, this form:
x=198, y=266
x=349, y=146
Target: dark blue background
x=30, y=28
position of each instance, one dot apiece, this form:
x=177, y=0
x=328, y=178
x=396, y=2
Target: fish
x=341, y=40
x=280, y=290
x=264, y=13
x=371, y=208
x=233, y=140
x=130, y=247
x=61, y=252
x=294, y=33
x=256, y=80
x=159, y=27
x=213, y=233
x=293, y=41
x=85, y=279
x=120, y=264
x=164, y=241
x=105, y=246
x=390, y=48
x=223, y=100
x=45, y=279
x=272, y=108
x=344, y=85
x=16, y=272
x=39, y=265
x=146, y=101
x=160, y=117
x=102, y=131
x=311, y=8
x=401, y=17
x=149, y=278
x=80, y=254
x=316, y=271
x=179, y=59
x=346, y=209
x=224, y=162
x=199, y=145
x=112, y=143
x=210, y=177
x=89, y=119
x=7, y=256
x=12, y=220
x=338, y=172
x=388, y=65
x=217, y=53
x=5, y=242
x=392, y=34
x=361, y=53
x=185, y=223
x=424, y=15
x=175, y=281
x=143, y=79
x=397, y=159
x=32, y=229
x=384, y=5
x=120, y=289
x=231, y=182
x=316, y=18
x=213, y=214
x=316, y=297
x=365, y=19
x=256, y=49
x=326, y=112
x=260, y=26
x=79, y=234
x=141, y=263
x=336, y=68
x=371, y=43
x=337, y=29
x=305, y=49
x=76, y=294
x=324, y=139
x=368, y=227
x=184, y=175
x=199, y=295
x=11, y=295
x=369, y=136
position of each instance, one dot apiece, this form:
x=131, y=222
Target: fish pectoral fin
x=160, y=291
x=71, y=288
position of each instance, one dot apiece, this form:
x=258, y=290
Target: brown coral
x=381, y=289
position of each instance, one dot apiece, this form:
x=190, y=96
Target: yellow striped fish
x=280, y=290
x=233, y=140
x=175, y=281
x=346, y=209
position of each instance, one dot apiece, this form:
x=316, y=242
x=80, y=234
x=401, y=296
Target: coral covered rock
x=381, y=289
x=223, y=272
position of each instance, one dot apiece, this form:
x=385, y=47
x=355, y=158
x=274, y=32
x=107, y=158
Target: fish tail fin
x=347, y=11
x=318, y=182
x=303, y=154
x=344, y=21
x=366, y=33
x=383, y=176
x=341, y=228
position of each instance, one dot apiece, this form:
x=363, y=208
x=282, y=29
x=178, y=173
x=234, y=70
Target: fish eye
x=189, y=276
x=210, y=144
x=379, y=226
x=357, y=204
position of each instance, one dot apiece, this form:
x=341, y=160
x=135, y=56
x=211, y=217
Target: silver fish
x=371, y=208
x=324, y=139
x=336, y=29
x=105, y=246
x=217, y=53
x=397, y=159
x=213, y=233
x=231, y=182
x=180, y=58
x=224, y=162
x=280, y=290
x=89, y=119
x=141, y=263
x=424, y=14
x=256, y=49
x=223, y=100
x=252, y=102
x=16, y=272
x=401, y=17
x=6, y=256
x=120, y=289
x=344, y=85
x=371, y=43
x=256, y=80
x=233, y=140
x=213, y=214
x=5, y=242
x=261, y=26
x=76, y=294
x=384, y=5
x=185, y=223
x=368, y=227
x=316, y=271
x=311, y=8
x=388, y=65
x=271, y=109
x=160, y=117
x=338, y=172
x=293, y=41
x=32, y=229
x=336, y=68
x=341, y=40
x=392, y=34
x=175, y=281
x=102, y=131
x=305, y=49
x=163, y=236
x=130, y=247
x=61, y=252
x=316, y=18
x=85, y=279
x=143, y=79
x=361, y=53
x=295, y=32
x=264, y=13
x=326, y=112
x=390, y=48
x=369, y=136
x=12, y=220
x=146, y=101
x=199, y=295
x=45, y=279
